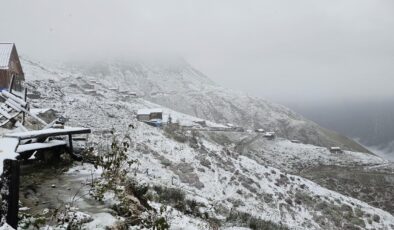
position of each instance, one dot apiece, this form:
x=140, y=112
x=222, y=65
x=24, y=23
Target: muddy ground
x=48, y=188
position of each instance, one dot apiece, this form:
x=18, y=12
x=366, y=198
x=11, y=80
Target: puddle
x=44, y=187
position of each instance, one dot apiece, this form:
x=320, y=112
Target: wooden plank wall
x=4, y=79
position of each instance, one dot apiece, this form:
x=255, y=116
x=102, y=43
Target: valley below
x=369, y=122
x=193, y=177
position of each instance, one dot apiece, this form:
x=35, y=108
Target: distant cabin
x=134, y=94
x=269, y=135
x=336, y=150
x=149, y=114
x=10, y=65
x=202, y=123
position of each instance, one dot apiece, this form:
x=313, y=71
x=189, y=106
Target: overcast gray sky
x=283, y=50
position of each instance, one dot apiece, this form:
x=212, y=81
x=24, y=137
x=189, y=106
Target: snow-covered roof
x=148, y=111
x=335, y=148
x=5, y=54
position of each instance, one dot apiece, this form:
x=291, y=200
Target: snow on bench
x=38, y=146
x=39, y=138
x=48, y=133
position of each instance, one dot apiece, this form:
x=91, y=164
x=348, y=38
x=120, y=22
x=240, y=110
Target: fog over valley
x=369, y=122
x=285, y=51
x=197, y=114
x=308, y=55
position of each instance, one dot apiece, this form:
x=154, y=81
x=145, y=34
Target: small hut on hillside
x=336, y=149
x=149, y=114
x=10, y=65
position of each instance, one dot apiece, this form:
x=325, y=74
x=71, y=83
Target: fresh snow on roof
x=5, y=54
x=148, y=111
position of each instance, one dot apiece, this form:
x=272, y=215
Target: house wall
x=143, y=117
x=4, y=79
x=14, y=68
x=156, y=116
x=15, y=64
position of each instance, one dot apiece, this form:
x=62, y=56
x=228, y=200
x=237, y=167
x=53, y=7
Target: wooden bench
x=31, y=141
x=21, y=148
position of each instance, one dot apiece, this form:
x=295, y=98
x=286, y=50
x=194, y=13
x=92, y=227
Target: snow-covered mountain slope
x=360, y=175
x=179, y=86
x=293, y=157
x=211, y=168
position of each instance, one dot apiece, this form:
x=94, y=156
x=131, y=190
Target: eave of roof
x=5, y=54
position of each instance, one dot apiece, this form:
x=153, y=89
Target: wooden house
x=269, y=135
x=10, y=65
x=156, y=114
x=336, y=149
x=143, y=115
x=202, y=123
x=149, y=114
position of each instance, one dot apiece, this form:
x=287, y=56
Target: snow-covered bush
x=169, y=195
x=130, y=195
x=115, y=165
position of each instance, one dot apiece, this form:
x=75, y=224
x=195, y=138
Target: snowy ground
x=220, y=176
x=293, y=157
x=225, y=173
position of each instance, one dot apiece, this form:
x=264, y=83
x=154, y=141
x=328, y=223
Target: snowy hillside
x=226, y=174
x=179, y=86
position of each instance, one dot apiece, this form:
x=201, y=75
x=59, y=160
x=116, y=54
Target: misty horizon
x=197, y=114
x=305, y=52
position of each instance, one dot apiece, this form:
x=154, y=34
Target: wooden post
x=25, y=95
x=71, y=149
x=11, y=83
x=70, y=144
x=11, y=181
x=23, y=113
